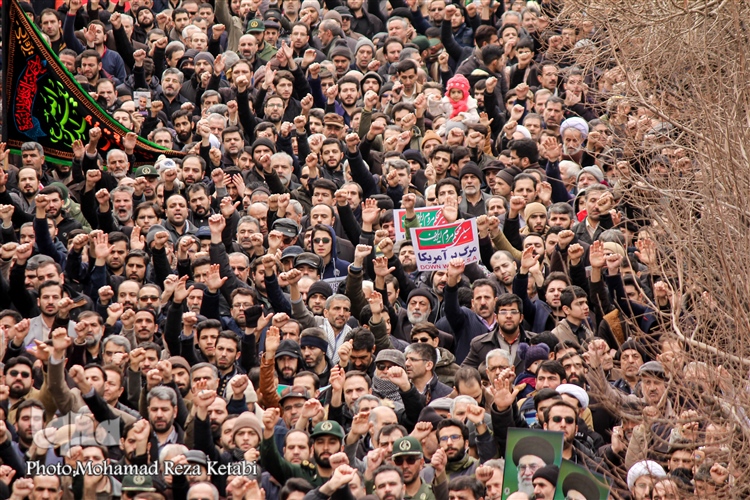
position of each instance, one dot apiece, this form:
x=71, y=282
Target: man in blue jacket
x=468, y=323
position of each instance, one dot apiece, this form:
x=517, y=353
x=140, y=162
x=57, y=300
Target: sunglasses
x=16, y=373
x=322, y=240
x=411, y=460
x=421, y=339
x=568, y=420
x=381, y=366
x=304, y=176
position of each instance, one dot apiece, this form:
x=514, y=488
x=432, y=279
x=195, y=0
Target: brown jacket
x=70, y=400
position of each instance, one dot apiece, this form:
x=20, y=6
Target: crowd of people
x=244, y=322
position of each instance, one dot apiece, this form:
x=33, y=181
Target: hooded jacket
x=336, y=268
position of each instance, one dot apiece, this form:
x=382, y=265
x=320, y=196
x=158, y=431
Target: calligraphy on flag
x=435, y=246
x=427, y=216
x=43, y=103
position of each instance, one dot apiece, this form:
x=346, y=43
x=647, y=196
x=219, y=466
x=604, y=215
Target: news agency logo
x=78, y=429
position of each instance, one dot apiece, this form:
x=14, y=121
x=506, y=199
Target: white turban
x=644, y=468
x=577, y=123
x=576, y=392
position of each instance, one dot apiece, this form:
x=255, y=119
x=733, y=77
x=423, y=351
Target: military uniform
x=423, y=493
x=282, y=470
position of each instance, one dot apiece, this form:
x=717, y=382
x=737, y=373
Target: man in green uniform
x=257, y=28
x=327, y=437
x=407, y=456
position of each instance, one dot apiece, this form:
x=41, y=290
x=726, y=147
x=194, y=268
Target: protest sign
x=434, y=247
x=526, y=451
x=427, y=217
x=578, y=483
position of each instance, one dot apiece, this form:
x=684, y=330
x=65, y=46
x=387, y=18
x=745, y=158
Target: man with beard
x=468, y=323
x=30, y=420
x=284, y=355
x=453, y=437
x=419, y=306
x=162, y=412
x=507, y=334
x=52, y=203
x=122, y=209
x=314, y=345
x=445, y=366
x=562, y=417
x=248, y=48
x=273, y=109
x=28, y=188
x=332, y=156
x=183, y=126
x=177, y=213
x=171, y=83
x=473, y=199
x=405, y=251
x=200, y=204
x=408, y=457
x=327, y=438
x=233, y=145
x=181, y=374
x=348, y=89
x=149, y=296
x=19, y=380
x=598, y=201
x=54, y=310
x=359, y=352
x=136, y=264
x=529, y=455
x=87, y=345
x=227, y=355
x=283, y=165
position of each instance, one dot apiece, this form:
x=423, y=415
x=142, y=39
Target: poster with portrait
x=526, y=451
x=576, y=482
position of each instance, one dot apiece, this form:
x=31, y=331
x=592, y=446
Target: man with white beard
x=282, y=164
x=418, y=308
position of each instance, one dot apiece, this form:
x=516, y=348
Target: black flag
x=42, y=102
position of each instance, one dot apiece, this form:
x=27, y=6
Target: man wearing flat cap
x=530, y=454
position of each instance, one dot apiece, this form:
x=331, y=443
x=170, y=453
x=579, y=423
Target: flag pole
x=6, y=44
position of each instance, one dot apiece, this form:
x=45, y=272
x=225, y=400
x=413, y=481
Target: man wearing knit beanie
x=473, y=199
x=342, y=59
x=364, y=51
x=317, y=295
x=247, y=431
x=504, y=181
x=535, y=215
x=544, y=481
x=429, y=141
x=370, y=81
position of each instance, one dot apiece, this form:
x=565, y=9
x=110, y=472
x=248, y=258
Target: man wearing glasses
x=507, y=334
x=563, y=417
x=453, y=437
